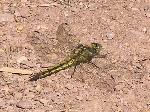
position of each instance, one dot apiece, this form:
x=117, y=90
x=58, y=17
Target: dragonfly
x=81, y=54
x=66, y=46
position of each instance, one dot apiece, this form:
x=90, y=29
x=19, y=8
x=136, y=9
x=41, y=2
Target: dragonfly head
x=96, y=47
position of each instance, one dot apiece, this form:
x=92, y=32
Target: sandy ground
x=36, y=34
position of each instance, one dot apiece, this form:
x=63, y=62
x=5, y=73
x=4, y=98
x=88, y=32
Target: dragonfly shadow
x=94, y=76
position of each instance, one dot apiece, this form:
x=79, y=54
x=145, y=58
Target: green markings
x=82, y=54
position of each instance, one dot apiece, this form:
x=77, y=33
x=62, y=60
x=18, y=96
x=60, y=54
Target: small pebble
x=135, y=58
x=139, y=106
x=58, y=85
x=66, y=13
x=27, y=104
x=110, y=36
x=22, y=58
x=144, y=29
x=79, y=98
x=17, y=13
x=6, y=89
x=147, y=14
x=119, y=87
x=38, y=88
x=20, y=28
x=69, y=86
x=44, y=101
x=17, y=95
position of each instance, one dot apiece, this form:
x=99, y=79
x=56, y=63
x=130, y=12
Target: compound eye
x=97, y=47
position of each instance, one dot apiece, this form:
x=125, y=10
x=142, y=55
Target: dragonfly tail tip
x=34, y=78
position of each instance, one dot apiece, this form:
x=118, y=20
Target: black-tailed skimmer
x=81, y=54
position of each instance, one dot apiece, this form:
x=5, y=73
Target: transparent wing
x=53, y=49
x=93, y=76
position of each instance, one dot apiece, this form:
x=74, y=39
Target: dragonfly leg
x=74, y=70
x=101, y=56
x=94, y=64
